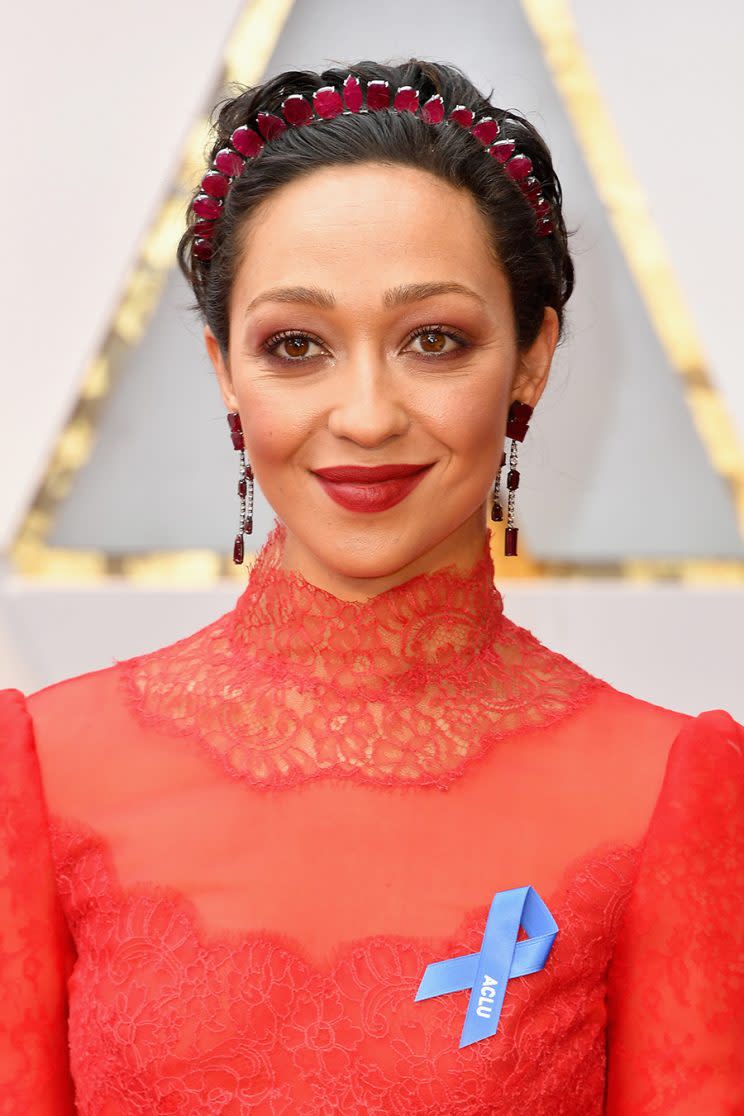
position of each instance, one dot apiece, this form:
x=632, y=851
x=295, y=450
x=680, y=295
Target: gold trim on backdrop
x=246, y=57
x=187, y=569
x=643, y=247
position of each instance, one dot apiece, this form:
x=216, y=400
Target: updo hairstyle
x=539, y=270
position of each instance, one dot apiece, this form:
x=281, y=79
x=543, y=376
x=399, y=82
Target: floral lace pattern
x=35, y=948
x=405, y=688
x=676, y=987
x=165, y=1018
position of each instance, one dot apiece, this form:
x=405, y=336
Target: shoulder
x=60, y=729
x=66, y=713
x=632, y=733
x=643, y=728
x=633, y=718
x=88, y=722
x=636, y=750
x=63, y=708
x=73, y=707
x=17, y=743
x=704, y=772
x=638, y=723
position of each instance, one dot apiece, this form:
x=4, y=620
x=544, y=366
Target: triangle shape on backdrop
x=614, y=470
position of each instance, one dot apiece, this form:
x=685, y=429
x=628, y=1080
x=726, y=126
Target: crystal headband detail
x=327, y=102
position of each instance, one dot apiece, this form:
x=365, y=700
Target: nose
x=369, y=405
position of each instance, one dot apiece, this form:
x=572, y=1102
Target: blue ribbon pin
x=501, y=957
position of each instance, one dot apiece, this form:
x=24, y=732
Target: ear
x=533, y=367
x=224, y=379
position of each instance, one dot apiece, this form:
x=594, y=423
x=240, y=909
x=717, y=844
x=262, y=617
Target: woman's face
x=370, y=325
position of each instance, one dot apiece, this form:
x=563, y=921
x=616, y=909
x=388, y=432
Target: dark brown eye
x=296, y=346
x=433, y=341
x=292, y=348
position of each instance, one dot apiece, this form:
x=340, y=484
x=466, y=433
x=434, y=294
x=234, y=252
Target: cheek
x=273, y=429
x=469, y=419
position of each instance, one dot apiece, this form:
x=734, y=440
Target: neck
x=432, y=621
x=361, y=571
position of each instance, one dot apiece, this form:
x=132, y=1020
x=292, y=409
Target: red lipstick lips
x=370, y=488
x=367, y=473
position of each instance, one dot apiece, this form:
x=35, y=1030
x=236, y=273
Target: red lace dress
x=226, y=864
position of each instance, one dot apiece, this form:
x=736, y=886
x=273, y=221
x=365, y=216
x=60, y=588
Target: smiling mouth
x=373, y=489
x=374, y=474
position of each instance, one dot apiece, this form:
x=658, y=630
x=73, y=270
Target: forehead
x=364, y=228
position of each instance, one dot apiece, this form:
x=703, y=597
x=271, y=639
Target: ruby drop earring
x=516, y=428
x=244, y=492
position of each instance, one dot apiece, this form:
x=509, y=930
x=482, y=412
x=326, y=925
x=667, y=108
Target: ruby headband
x=297, y=110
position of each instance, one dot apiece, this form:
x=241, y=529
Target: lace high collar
x=427, y=625
x=407, y=687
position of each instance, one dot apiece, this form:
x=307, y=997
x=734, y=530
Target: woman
x=363, y=844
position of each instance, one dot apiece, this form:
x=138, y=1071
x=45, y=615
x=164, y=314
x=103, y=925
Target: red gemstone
x=503, y=460
x=246, y=141
x=202, y=249
x=518, y=420
x=353, y=93
x=462, y=115
x=378, y=95
x=530, y=187
x=229, y=162
x=248, y=524
x=519, y=409
x=545, y=227
x=214, y=184
x=203, y=228
x=270, y=125
x=486, y=130
x=238, y=550
x=510, y=542
x=497, y=513
x=542, y=207
x=242, y=486
x=233, y=420
x=237, y=440
x=519, y=166
x=297, y=110
x=512, y=479
x=432, y=111
x=502, y=150
x=249, y=472
x=327, y=102
x=406, y=99
x=204, y=206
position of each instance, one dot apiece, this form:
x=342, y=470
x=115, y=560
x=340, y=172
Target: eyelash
x=285, y=334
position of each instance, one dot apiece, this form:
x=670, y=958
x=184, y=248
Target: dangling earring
x=516, y=428
x=497, y=513
x=246, y=476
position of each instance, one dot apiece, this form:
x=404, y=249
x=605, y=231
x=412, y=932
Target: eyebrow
x=395, y=296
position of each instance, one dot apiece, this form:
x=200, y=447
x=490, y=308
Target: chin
x=365, y=547
x=358, y=555
x=378, y=552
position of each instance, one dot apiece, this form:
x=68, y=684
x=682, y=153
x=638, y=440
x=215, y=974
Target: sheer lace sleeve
x=676, y=981
x=36, y=952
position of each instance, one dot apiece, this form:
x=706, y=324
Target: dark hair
x=539, y=269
